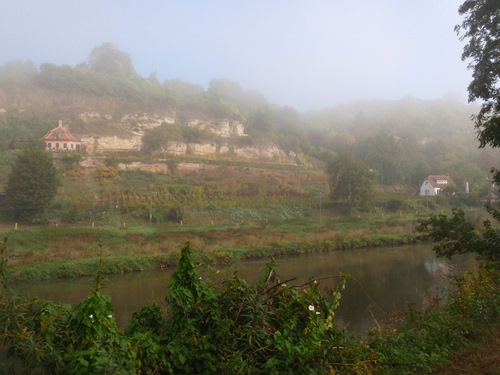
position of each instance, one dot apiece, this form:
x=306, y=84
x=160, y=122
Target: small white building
x=433, y=184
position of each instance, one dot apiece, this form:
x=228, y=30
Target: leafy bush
x=266, y=328
x=204, y=328
x=229, y=327
x=394, y=204
x=423, y=338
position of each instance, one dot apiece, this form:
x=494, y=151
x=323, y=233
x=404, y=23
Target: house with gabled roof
x=60, y=139
x=433, y=184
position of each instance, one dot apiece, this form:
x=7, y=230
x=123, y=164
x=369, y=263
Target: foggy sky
x=309, y=54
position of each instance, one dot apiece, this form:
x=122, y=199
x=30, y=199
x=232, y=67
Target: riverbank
x=481, y=359
x=160, y=257
x=50, y=252
x=266, y=325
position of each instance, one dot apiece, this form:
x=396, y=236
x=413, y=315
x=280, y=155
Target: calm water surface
x=383, y=279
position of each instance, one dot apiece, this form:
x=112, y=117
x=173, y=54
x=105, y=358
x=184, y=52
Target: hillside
x=112, y=109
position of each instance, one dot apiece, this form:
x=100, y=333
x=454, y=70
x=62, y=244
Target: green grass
x=132, y=260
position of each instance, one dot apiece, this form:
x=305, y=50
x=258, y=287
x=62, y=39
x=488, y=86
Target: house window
x=77, y=146
x=58, y=136
x=49, y=145
x=57, y=145
x=72, y=146
x=65, y=145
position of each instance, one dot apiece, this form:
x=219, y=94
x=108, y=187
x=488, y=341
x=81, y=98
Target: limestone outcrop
x=133, y=126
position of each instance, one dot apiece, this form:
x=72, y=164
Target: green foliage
x=455, y=235
x=18, y=130
x=7, y=160
x=232, y=327
x=351, y=183
x=20, y=71
x=266, y=328
x=229, y=327
x=97, y=346
x=480, y=29
x=386, y=156
x=32, y=186
x=71, y=160
x=108, y=59
x=423, y=338
x=156, y=138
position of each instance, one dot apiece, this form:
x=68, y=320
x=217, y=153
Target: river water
x=383, y=279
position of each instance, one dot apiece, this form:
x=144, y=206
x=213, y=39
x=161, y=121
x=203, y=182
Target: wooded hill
x=403, y=141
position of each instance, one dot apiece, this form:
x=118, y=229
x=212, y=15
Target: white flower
x=110, y=316
x=317, y=313
x=315, y=281
x=91, y=316
x=283, y=284
x=311, y=308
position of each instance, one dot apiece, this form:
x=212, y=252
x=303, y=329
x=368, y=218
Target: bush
x=231, y=327
x=423, y=338
x=394, y=204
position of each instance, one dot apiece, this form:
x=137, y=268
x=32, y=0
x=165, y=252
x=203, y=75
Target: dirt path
x=481, y=360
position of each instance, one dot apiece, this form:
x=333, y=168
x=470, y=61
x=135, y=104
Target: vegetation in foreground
x=230, y=327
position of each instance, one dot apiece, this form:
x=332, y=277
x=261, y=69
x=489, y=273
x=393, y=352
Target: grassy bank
x=65, y=251
x=131, y=259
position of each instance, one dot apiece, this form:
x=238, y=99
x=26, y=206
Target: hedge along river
x=383, y=279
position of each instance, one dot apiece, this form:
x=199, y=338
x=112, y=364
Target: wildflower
x=110, y=316
x=315, y=281
x=317, y=313
x=283, y=285
x=91, y=316
x=311, y=308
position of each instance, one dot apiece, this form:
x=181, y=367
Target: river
x=383, y=279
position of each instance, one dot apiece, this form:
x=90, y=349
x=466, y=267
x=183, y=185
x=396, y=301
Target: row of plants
x=205, y=326
x=139, y=206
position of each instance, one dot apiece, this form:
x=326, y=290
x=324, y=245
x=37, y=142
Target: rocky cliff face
x=94, y=145
x=134, y=125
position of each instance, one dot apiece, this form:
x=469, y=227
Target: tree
x=351, y=182
x=32, y=186
x=108, y=59
x=386, y=155
x=455, y=235
x=154, y=139
x=480, y=28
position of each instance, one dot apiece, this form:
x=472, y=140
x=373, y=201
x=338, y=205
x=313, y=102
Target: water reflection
x=382, y=280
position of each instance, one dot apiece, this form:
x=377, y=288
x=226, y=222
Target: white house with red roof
x=60, y=139
x=433, y=184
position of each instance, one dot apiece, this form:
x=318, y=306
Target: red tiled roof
x=440, y=181
x=59, y=133
x=490, y=196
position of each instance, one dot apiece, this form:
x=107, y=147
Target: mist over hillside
x=402, y=140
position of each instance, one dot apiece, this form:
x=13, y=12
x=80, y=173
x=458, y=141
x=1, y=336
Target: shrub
x=423, y=338
x=229, y=327
x=394, y=204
